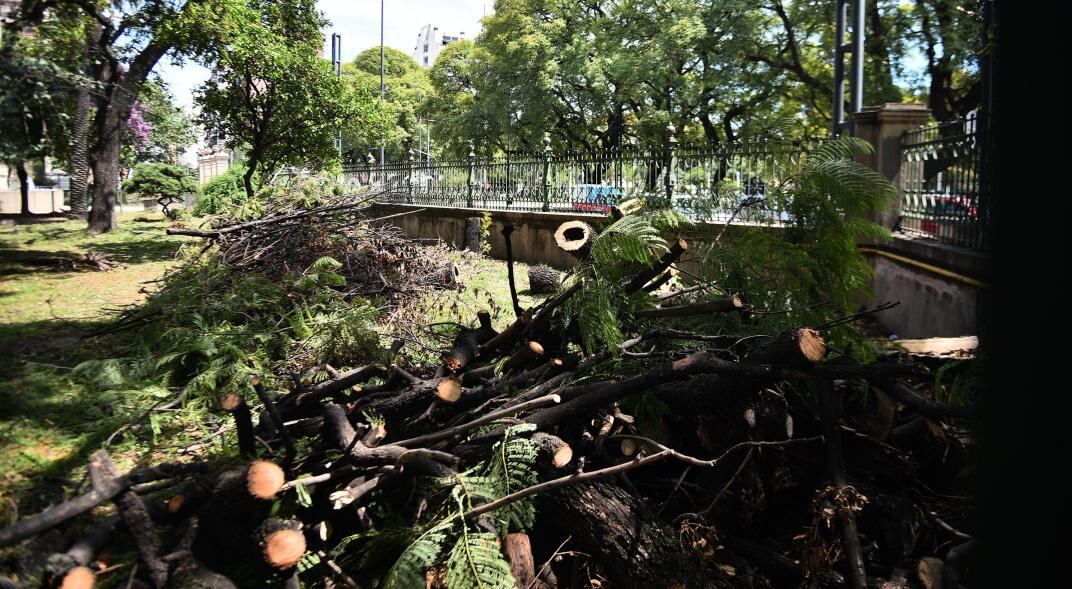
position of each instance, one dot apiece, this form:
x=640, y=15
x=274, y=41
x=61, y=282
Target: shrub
x=224, y=193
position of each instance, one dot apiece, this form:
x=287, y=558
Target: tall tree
x=406, y=88
x=79, y=160
x=274, y=95
x=32, y=112
x=158, y=130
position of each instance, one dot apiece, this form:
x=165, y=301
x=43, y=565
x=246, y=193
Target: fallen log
x=623, y=535
x=575, y=238
x=543, y=279
x=728, y=305
x=61, y=512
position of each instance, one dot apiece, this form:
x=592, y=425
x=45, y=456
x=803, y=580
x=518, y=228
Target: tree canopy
x=273, y=94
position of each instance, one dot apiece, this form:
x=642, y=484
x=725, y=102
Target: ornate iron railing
x=943, y=184
x=709, y=184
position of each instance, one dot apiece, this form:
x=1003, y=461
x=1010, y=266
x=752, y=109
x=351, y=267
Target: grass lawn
x=48, y=423
x=51, y=422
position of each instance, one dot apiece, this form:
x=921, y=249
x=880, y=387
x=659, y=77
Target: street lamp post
x=383, y=139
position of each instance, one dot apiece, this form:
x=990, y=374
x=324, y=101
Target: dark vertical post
x=857, y=96
x=383, y=139
x=841, y=12
x=469, y=181
x=670, y=179
x=409, y=171
x=336, y=64
x=546, y=172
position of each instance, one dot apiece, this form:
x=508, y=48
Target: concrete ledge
x=960, y=260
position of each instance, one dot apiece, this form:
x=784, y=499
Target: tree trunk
x=106, y=167
x=24, y=187
x=247, y=178
x=619, y=532
x=113, y=110
x=80, y=132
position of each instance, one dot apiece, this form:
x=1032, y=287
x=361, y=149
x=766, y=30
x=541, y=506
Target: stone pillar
x=882, y=126
x=211, y=162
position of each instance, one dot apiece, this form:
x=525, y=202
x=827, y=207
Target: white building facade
x=430, y=41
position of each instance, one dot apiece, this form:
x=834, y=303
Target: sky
x=358, y=21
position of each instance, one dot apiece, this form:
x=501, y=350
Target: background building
x=430, y=42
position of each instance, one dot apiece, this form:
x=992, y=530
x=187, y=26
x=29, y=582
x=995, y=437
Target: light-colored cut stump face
x=536, y=348
x=737, y=301
x=572, y=235
x=79, y=578
x=230, y=401
x=812, y=344
x=562, y=456
x=449, y=390
x=264, y=479
x=283, y=549
x=174, y=505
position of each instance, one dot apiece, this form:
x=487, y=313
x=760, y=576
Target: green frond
x=476, y=562
x=512, y=468
x=409, y=570
x=841, y=148
x=630, y=239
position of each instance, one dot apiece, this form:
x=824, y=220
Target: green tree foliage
x=223, y=194
x=32, y=114
x=607, y=73
x=160, y=181
x=406, y=87
x=273, y=94
x=165, y=130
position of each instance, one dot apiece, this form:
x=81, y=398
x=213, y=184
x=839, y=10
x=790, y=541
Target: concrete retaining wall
x=41, y=201
x=937, y=284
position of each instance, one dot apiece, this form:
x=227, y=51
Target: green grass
x=50, y=422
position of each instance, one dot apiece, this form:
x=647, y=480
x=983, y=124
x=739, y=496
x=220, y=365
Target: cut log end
x=254, y=381
x=175, y=504
x=574, y=237
x=79, y=578
x=562, y=456
x=264, y=479
x=536, y=348
x=284, y=548
x=811, y=343
x=449, y=390
x=231, y=402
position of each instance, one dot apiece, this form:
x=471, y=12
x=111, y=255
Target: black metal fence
x=707, y=184
x=943, y=183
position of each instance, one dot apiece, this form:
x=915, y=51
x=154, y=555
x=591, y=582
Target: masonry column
x=882, y=126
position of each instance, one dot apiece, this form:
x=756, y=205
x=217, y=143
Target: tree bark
x=113, y=110
x=619, y=531
x=79, y=197
x=24, y=188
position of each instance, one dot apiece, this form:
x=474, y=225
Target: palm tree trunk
x=80, y=131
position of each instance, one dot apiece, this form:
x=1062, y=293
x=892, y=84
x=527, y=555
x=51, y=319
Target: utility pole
x=856, y=48
x=383, y=139
x=336, y=63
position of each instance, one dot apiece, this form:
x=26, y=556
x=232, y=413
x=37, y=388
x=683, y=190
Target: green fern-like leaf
x=512, y=468
x=476, y=562
x=408, y=571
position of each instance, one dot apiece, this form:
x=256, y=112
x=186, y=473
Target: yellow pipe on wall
x=928, y=267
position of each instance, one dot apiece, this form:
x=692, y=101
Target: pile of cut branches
x=372, y=257
x=528, y=458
